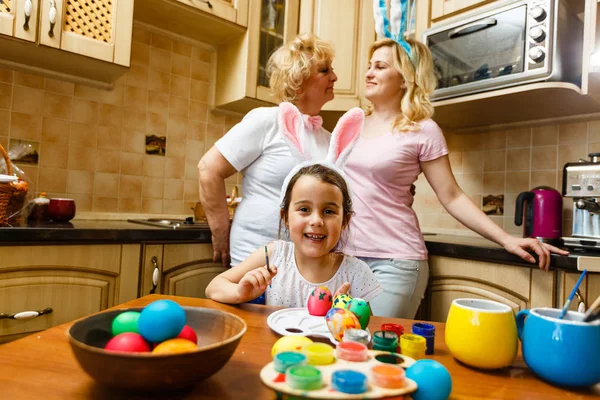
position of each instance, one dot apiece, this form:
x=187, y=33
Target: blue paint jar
x=348, y=381
x=428, y=332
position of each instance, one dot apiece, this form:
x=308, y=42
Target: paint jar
x=396, y=328
x=348, y=381
x=352, y=351
x=282, y=361
x=357, y=335
x=413, y=346
x=387, y=376
x=303, y=377
x=319, y=353
x=428, y=332
x=385, y=341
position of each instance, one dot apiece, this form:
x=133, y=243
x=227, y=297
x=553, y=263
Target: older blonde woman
x=399, y=141
x=300, y=73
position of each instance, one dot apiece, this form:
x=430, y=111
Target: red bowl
x=61, y=210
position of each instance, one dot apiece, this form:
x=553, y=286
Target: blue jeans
x=404, y=283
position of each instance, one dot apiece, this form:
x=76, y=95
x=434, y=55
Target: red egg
x=188, y=333
x=319, y=301
x=128, y=342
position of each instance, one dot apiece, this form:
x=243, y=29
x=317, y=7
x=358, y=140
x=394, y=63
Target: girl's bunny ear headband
x=394, y=27
x=343, y=138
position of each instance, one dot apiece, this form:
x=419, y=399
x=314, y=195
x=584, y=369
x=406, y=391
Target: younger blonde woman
x=399, y=141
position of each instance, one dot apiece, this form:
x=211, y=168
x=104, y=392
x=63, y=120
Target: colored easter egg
x=174, y=346
x=341, y=301
x=188, y=333
x=128, y=342
x=125, y=322
x=161, y=320
x=338, y=320
x=361, y=309
x=319, y=301
x=433, y=380
x=289, y=343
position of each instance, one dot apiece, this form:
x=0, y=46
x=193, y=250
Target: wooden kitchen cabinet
x=441, y=9
x=242, y=82
x=178, y=269
x=453, y=278
x=589, y=289
x=18, y=19
x=62, y=282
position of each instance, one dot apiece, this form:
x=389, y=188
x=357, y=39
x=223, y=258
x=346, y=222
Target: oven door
x=481, y=53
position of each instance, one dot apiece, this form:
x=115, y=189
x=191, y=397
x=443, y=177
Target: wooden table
x=42, y=366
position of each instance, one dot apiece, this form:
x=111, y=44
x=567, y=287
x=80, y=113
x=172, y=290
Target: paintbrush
x=570, y=298
x=267, y=258
x=593, y=312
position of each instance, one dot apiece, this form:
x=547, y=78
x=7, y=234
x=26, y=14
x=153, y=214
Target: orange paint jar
x=387, y=376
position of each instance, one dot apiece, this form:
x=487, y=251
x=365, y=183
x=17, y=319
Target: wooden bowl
x=219, y=333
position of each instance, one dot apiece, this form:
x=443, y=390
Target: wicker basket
x=6, y=189
x=12, y=195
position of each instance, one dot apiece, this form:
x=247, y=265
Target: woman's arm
x=439, y=175
x=245, y=282
x=213, y=169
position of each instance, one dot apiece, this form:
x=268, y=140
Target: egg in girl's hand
x=361, y=309
x=128, y=342
x=340, y=319
x=319, y=301
x=341, y=301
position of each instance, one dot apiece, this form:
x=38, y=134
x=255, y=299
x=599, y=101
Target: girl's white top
x=256, y=148
x=289, y=288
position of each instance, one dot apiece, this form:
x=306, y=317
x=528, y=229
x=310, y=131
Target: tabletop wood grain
x=42, y=366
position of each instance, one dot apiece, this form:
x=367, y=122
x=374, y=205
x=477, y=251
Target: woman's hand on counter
x=519, y=246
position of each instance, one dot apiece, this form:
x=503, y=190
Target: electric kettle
x=540, y=213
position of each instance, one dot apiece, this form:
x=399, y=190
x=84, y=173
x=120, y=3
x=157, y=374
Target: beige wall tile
x=156, y=123
x=88, y=93
x=176, y=148
x=181, y=65
x=160, y=60
x=545, y=135
x=82, y=158
x=132, y=163
x=115, y=96
x=4, y=122
x=199, y=91
x=136, y=98
x=133, y=141
x=52, y=180
x=25, y=126
x=161, y=42
x=130, y=205
x=594, y=131
x=173, y=206
x=5, y=96
x=137, y=76
x=107, y=161
x=495, y=140
x=6, y=75
x=215, y=118
x=191, y=190
x=493, y=183
x=57, y=106
x=200, y=54
x=159, y=81
x=83, y=202
x=200, y=70
x=518, y=159
x=32, y=173
x=572, y=134
x=182, y=49
x=153, y=188
x=27, y=100
x=196, y=131
x=141, y=35
x=54, y=155
x=55, y=130
x=136, y=119
x=80, y=182
x=194, y=150
x=177, y=128
x=173, y=189
x=106, y=185
x=544, y=178
x=544, y=157
x=179, y=106
x=180, y=86
x=105, y=204
x=198, y=111
x=130, y=187
x=29, y=80
x=110, y=115
x=84, y=135
x=154, y=166
x=191, y=169
x=60, y=87
x=84, y=111
x=174, y=167
x=571, y=154
x=152, y=206
x=518, y=138
x=494, y=160
x=472, y=162
x=472, y=183
x=517, y=182
x=109, y=137
x=158, y=103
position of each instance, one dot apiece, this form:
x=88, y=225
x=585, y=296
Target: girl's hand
x=342, y=290
x=519, y=246
x=255, y=282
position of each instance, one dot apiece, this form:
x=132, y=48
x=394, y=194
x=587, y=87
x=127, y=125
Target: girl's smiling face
x=315, y=216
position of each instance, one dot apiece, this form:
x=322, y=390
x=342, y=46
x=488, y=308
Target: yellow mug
x=482, y=333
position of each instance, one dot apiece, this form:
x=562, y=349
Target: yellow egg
x=290, y=343
x=173, y=346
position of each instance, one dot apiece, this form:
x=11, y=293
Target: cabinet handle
x=26, y=314
x=155, y=274
x=207, y=3
x=52, y=17
x=27, y=11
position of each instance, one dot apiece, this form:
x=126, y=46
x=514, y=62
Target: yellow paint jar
x=413, y=346
x=319, y=354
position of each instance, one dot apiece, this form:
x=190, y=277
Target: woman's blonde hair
x=419, y=80
x=291, y=64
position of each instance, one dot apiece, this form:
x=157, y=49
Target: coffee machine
x=581, y=182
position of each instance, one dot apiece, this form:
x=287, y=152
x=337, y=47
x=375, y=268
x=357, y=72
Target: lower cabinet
x=44, y=286
x=454, y=278
x=178, y=269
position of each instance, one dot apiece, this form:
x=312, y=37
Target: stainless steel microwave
x=504, y=44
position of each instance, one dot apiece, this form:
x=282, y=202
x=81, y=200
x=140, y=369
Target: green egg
x=125, y=322
x=361, y=309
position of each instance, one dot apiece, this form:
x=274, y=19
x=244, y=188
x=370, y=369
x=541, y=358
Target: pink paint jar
x=352, y=351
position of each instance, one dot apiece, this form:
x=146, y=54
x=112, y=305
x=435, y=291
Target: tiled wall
x=509, y=162
x=92, y=141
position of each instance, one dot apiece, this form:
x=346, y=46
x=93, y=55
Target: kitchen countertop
x=109, y=232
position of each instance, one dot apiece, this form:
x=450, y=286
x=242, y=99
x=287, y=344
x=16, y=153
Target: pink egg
x=319, y=301
x=188, y=333
x=128, y=342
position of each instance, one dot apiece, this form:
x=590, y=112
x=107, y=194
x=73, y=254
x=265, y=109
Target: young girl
x=316, y=208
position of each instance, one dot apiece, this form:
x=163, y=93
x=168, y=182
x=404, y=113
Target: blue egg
x=161, y=320
x=433, y=380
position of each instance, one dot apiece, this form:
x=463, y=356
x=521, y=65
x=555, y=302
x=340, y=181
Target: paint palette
x=297, y=321
x=277, y=381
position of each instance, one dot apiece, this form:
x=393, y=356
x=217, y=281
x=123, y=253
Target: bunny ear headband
x=397, y=22
x=343, y=138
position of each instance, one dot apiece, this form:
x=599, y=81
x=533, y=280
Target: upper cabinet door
x=18, y=18
x=441, y=8
x=99, y=29
x=351, y=35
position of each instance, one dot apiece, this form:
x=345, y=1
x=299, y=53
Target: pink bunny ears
x=344, y=137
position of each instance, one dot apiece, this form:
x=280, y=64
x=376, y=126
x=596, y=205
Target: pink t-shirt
x=380, y=172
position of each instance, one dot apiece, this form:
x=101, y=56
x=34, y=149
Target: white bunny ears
x=399, y=11
x=344, y=137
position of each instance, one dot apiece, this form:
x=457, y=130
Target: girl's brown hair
x=419, y=78
x=324, y=174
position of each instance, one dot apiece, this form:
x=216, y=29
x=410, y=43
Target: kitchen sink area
x=167, y=223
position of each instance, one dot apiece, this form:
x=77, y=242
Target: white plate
x=298, y=322
x=7, y=178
